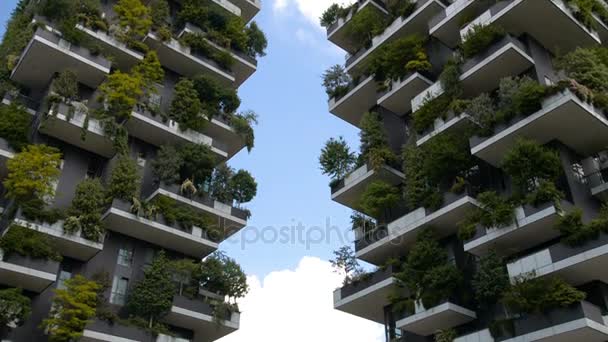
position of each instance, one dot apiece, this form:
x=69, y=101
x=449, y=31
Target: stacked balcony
x=124, y=57
x=446, y=25
x=425, y=322
x=337, y=33
x=249, y=8
x=27, y=273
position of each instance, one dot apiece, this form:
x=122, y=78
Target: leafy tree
x=479, y=38
x=167, y=164
x=86, y=210
x=215, y=98
x=575, y=233
x=243, y=186
x=120, y=92
x=28, y=242
x=152, y=297
x=330, y=15
x=365, y=25
x=186, y=107
x=336, y=81
x=538, y=295
x=374, y=143
x=125, y=180
x=336, y=159
x=14, y=307
x=220, y=183
x=519, y=96
x=345, y=263
x=491, y=280
x=134, y=17
x=528, y=163
x=14, y=125
x=223, y=275
x=198, y=162
x=243, y=126
x=256, y=41
x=588, y=66
x=72, y=309
x=65, y=84
x=149, y=70
x=398, y=58
x=32, y=173
x=159, y=13
x=378, y=199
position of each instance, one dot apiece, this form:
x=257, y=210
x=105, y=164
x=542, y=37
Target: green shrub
x=336, y=82
x=32, y=173
x=575, y=233
x=398, y=58
x=519, y=96
x=186, y=106
x=86, y=210
x=374, y=142
x=588, y=66
x=243, y=186
x=215, y=98
x=529, y=163
x=538, y=295
x=243, y=126
x=546, y=192
x=496, y=211
x=14, y=125
x=332, y=13
x=431, y=109
x=125, y=180
x=28, y=242
x=167, y=164
x=365, y=25
x=490, y=280
x=378, y=199
x=479, y=38
x=223, y=275
x=15, y=308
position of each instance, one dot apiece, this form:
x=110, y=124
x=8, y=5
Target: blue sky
x=294, y=123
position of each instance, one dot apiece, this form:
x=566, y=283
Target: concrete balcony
x=425, y=322
x=564, y=34
x=401, y=234
x=348, y=191
x=368, y=297
x=29, y=104
x=224, y=5
x=192, y=241
x=184, y=61
x=597, y=182
x=398, y=98
x=124, y=57
x=103, y=331
x=244, y=66
x=57, y=54
x=67, y=124
x=156, y=131
x=71, y=245
x=337, y=33
x=220, y=129
x=359, y=100
x=229, y=218
x=27, y=273
x=416, y=23
x=249, y=8
x=197, y=315
x=532, y=227
x=579, y=322
x=576, y=265
x=453, y=124
x=446, y=25
x=560, y=114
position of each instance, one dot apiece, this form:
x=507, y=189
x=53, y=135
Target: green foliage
x=18, y=34
x=490, y=280
x=14, y=307
x=186, y=217
x=332, y=13
x=374, y=144
x=198, y=162
x=528, y=163
x=152, y=297
x=125, y=180
x=345, y=263
x=149, y=71
x=199, y=43
x=65, y=84
x=256, y=41
x=72, y=309
x=336, y=81
x=538, y=295
x=243, y=186
x=398, y=58
x=398, y=8
x=575, y=233
x=167, y=164
x=588, y=66
x=519, y=96
x=86, y=210
x=450, y=79
x=416, y=186
x=482, y=110
x=447, y=335
x=28, y=242
x=186, y=106
x=220, y=183
x=378, y=199
x=584, y=11
x=496, y=211
x=431, y=109
x=365, y=25
x=215, y=98
x=336, y=158
x=479, y=38
x=159, y=13
x=134, y=18
x=32, y=173
x=243, y=126
x=121, y=92
x=546, y=192
x=14, y=125
x=223, y=275
x=445, y=157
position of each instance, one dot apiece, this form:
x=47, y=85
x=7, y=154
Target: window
x=125, y=256
x=63, y=276
x=119, y=290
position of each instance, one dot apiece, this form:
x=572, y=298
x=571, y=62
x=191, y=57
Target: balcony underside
x=70, y=245
x=486, y=74
x=456, y=124
x=156, y=233
x=368, y=303
x=159, y=133
x=249, y=8
x=581, y=268
x=204, y=327
x=526, y=233
x=36, y=75
x=223, y=132
x=583, y=329
x=354, y=187
x=403, y=231
x=24, y=277
x=444, y=316
x=70, y=131
x=563, y=34
x=124, y=58
x=179, y=59
x=556, y=121
x=339, y=35
x=357, y=102
x=399, y=99
x=416, y=23
x=447, y=29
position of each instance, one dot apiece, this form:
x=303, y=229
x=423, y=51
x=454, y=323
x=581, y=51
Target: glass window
x=119, y=290
x=63, y=276
x=125, y=256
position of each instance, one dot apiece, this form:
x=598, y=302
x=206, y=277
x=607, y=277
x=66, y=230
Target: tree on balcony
x=479, y=38
x=72, y=309
x=574, y=232
x=336, y=159
x=336, y=82
x=365, y=25
x=159, y=14
x=490, y=281
x=346, y=264
x=215, y=98
x=333, y=13
x=186, y=106
x=124, y=181
x=15, y=308
x=14, y=125
x=135, y=22
x=398, y=58
x=495, y=211
x=379, y=199
x=84, y=214
x=28, y=243
x=243, y=186
x=538, y=295
x=375, y=148
x=223, y=275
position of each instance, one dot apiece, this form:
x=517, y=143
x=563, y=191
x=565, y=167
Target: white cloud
x=297, y=306
x=310, y=9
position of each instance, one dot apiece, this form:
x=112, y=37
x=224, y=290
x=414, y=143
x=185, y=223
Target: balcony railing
x=26, y=272
x=448, y=314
